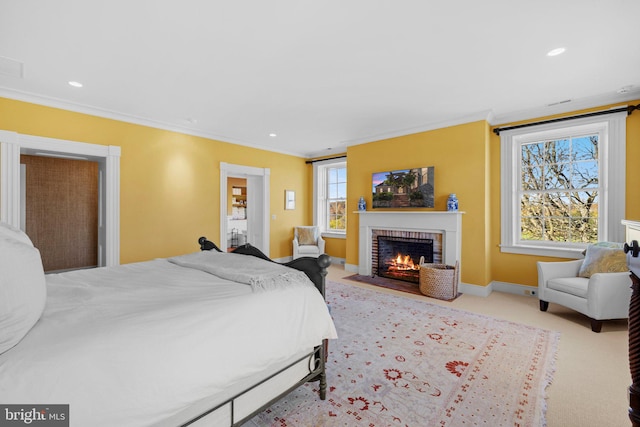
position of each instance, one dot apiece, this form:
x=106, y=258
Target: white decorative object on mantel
x=449, y=224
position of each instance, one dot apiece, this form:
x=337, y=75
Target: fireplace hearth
x=443, y=227
x=399, y=257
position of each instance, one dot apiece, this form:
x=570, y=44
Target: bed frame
x=241, y=407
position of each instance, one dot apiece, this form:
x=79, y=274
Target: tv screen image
x=406, y=188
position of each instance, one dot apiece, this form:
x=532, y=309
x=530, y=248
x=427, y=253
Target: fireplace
x=443, y=227
x=399, y=257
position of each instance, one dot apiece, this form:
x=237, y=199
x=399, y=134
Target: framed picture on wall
x=407, y=188
x=289, y=199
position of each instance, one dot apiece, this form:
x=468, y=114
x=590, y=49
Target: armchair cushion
x=603, y=257
x=577, y=286
x=307, y=235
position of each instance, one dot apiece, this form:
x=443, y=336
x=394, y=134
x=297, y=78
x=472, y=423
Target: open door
x=255, y=212
x=257, y=203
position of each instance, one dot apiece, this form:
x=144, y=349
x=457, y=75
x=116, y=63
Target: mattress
x=139, y=344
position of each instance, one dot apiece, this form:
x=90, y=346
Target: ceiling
x=321, y=75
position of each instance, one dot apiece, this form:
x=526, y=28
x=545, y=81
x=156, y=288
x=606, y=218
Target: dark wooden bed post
x=633, y=262
x=634, y=352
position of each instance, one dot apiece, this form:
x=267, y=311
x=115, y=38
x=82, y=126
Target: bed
x=168, y=342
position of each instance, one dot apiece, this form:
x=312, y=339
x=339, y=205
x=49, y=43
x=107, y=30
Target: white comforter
x=135, y=344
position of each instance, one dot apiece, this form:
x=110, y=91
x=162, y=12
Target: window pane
x=337, y=216
x=331, y=202
x=585, y=174
x=532, y=154
x=333, y=191
x=532, y=178
x=530, y=228
x=559, y=164
x=557, y=175
x=585, y=148
x=558, y=151
x=556, y=229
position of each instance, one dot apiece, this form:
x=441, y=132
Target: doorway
x=60, y=210
x=256, y=207
x=13, y=144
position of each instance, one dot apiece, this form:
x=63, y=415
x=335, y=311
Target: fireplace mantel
x=448, y=223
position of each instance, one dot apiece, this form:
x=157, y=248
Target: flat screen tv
x=406, y=188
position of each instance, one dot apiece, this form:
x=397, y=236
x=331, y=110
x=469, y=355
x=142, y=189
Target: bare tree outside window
x=559, y=190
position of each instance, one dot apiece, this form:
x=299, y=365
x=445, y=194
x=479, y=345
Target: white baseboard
x=514, y=288
x=510, y=288
x=338, y=261
x=479, y=291
x=351, y=268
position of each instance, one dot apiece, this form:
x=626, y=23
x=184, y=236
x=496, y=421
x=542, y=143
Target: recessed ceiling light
x=272, y=135
x=75, y=84
x=556, y=51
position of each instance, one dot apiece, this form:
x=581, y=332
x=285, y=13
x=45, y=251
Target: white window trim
x=612, y=172
x=320, y=197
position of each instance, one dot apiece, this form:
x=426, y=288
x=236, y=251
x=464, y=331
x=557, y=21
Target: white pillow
x=22, y=290
x=15, y=233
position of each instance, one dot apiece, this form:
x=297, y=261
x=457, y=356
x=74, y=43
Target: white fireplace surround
x=449, y=224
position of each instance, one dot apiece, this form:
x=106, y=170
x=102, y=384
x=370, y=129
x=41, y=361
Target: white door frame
x=12, y=144
x=261, y=223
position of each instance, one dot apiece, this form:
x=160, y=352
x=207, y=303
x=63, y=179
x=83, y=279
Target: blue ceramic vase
x=452, y=202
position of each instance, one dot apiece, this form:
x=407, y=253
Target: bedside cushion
x=603, y=257
x=11, y=232
x=22, y=290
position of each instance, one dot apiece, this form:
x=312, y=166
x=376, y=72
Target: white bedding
x=136, y=344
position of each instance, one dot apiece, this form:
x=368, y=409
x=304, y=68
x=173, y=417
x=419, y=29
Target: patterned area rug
x=403, y=362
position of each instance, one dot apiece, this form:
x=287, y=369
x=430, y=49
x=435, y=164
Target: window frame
x=612, y=175
x=320, y=196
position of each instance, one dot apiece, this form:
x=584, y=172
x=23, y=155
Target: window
x=563, y=185
x=330, y=210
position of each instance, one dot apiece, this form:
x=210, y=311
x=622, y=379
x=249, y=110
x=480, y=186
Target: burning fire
x=403, y=262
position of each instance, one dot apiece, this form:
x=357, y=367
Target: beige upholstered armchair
x=307, y=241
x=598, y=286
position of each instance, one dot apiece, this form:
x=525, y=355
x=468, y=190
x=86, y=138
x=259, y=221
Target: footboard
x=316, y=270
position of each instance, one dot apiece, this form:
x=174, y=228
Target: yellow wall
x=170, y=185
x=460, y=156
x=467, y=162
x=521, y=269
x=169, y=182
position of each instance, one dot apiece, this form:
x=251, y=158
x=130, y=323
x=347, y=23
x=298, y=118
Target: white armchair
x=307, y=241
x=603, y=296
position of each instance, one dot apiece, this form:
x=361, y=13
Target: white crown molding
x=567, y=107
x=470, y=118
x=488, y=115
x=108, y=114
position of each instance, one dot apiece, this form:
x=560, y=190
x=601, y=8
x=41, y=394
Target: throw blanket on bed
x=262, y=275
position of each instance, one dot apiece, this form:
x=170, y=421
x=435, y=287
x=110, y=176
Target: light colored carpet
x=590, y=384
x=403, y=361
